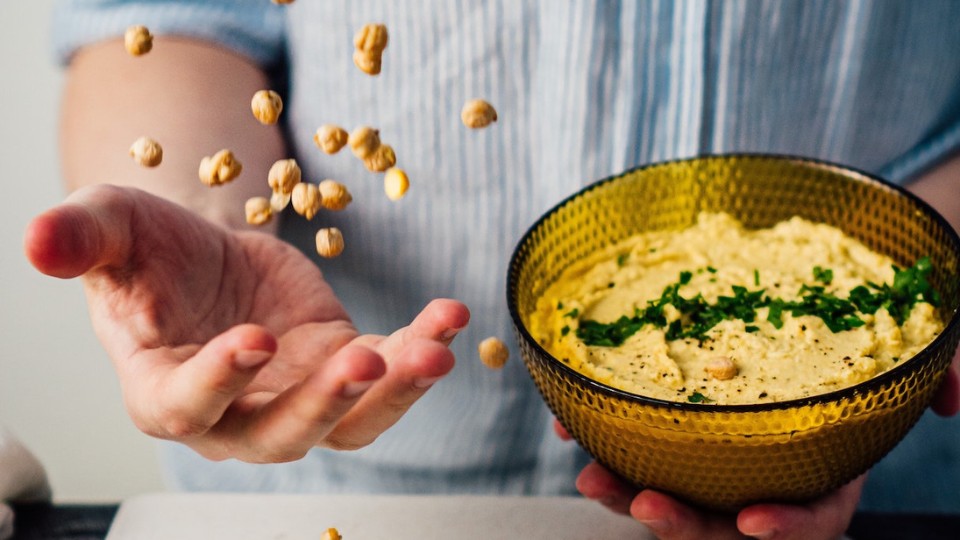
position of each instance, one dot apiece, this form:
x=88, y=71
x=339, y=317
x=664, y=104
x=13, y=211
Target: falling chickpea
x=331, y=534
x=329, y=242
x=477, y=113
x=284, y=174
x=493, y=352
x=219, y=169
x=258, y=210
x=382, y=159
x=334, y=195
x=330, y=138
x=266, y=106
x=306, y=199
x=146, y=152
x=364, y=141
x=369, y=42
x=395, y=183
x=138, y=40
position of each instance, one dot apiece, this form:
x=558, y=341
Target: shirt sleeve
x=253, y=28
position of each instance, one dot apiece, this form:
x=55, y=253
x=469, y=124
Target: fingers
x=439, y=321
x=292, y=423
x=411, y=373
x=671, y=520
x=561, y=431
x=597, y=483
x=89, y=230
x=177, y=400
x=947, y=400
x=826, y=518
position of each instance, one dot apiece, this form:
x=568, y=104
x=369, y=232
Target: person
x=269, y=369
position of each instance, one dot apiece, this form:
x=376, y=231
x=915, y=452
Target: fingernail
x=355, y=388
x=659, y=526
x=250, y=359
x=449, y=334
x=426, y=382
x=763, y=535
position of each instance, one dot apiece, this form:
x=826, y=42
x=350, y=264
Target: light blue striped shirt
x=584, y=89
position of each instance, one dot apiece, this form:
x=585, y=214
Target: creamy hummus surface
x=721, y=314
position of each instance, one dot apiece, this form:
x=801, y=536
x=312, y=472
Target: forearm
x=940, y=187
x=191, y=97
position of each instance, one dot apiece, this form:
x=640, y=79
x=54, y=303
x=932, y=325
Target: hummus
x=721, y=314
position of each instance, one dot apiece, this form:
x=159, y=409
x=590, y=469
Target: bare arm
x=190, y=96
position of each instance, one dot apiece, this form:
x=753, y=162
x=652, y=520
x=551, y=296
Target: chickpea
x=330, y=138
x=364, y=141
x=266, y=106
x=306, y=199
x=721, y=368
x=331, y=534
x=279, y=201
x=138, y=40
x=283, y=175
x=146, y=152
x=382, y=159
x=371, y=37
x=395, y=183
x=334, y=195
x=477, y=113
x=258, y=210
x=329, y=242
x=219, y=169
x=370, y=41
x=493, y=352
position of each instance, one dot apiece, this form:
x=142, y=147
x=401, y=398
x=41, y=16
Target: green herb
x=823, y=275
x=698, y=316
x=573, y=313
x=565, y=330
x=711, y=269
x=622, y=259
x=559, y=305
x=756, y=277
x=751, y=328
x=697, y=397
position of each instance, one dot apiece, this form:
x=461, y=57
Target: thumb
x=91, y=229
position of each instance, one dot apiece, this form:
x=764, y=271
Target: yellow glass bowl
x=725, y=457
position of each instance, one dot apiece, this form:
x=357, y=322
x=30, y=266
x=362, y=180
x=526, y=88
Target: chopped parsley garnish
x=697, y=397
x=622, y=259
x=823, y=275
x=909, y=287
x=565, y=330
x=756, y=277
x=573, y=313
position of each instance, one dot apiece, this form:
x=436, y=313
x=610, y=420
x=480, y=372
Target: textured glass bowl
x=726, y=457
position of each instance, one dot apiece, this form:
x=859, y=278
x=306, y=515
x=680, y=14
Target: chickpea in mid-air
x=266, y=106
x=395, y=183
x=334, y=195
x=369, y=42
x=258, y=210
x=329, y=242
x=138, y=40
x=146, y=152
x=478, y=113
x=493, y=352
x=330, y=138
x=220, y=168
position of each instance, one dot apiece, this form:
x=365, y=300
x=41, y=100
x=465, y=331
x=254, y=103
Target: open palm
x=232, y=342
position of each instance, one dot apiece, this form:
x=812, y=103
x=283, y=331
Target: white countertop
x=207, y=516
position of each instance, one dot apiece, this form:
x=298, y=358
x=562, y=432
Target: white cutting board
x=211, y=516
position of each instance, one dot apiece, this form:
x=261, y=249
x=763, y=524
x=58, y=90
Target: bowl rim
x=923, y=357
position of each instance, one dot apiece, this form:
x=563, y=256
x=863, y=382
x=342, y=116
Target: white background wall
x=58, y=392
